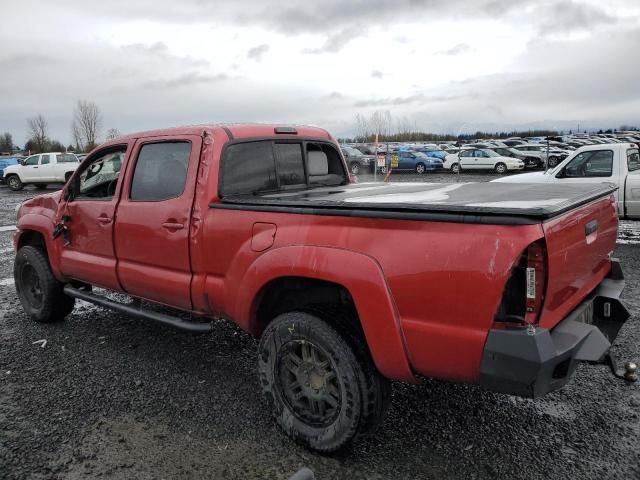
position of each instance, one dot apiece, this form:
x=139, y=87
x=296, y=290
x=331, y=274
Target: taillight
x=536, y=281
x=523, y=295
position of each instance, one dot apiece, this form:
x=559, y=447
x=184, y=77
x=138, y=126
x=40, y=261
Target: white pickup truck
x=617, y=163
x=40, y=170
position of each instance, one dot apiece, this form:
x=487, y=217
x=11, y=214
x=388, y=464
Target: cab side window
x=633, y=160
x=45, y=160
x=160, y=171
x=595, y=163
x=31, y=161
x=98, y=180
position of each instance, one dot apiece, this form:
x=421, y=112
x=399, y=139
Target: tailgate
x=579, y=244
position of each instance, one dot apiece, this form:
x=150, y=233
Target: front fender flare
x=360, y=274
x=44, y=226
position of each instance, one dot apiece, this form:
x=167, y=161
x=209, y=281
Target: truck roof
x=613, y=146
x=237, y=130
x=484, y=202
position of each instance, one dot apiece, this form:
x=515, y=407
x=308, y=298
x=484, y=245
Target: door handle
x=104, y=220
x=173, y=226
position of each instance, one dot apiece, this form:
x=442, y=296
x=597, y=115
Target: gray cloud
x=335, y=42
x=334, y=96
x=457, y=49
x=257, y=52
x=590, y=77
x=190, y=78
x=27, y=60
x=571, y=16
x=158, y=48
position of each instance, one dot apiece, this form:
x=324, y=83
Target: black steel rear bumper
x=532, y=362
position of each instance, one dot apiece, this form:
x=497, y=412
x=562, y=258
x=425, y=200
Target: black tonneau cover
x=484, y=202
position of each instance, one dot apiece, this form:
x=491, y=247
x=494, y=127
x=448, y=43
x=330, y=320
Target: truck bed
x=500, y=203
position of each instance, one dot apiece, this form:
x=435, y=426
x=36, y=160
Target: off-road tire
x=40, y=293
x=14, y=183
x=364, y=393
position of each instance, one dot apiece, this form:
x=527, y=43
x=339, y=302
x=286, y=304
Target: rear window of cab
x=253, y=167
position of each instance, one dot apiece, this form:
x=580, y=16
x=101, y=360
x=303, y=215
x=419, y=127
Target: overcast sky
x=446, y=65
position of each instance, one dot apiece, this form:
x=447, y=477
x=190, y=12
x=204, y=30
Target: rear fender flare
x=360, y=274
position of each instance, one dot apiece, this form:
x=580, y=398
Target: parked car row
x=535, y=152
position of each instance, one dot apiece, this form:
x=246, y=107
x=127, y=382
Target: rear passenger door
x=153, y=220
x=45, y=172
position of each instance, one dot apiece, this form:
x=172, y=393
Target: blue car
x=4, y=163
x=433, y=152
x=416, y=161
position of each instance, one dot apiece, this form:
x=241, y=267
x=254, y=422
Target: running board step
x=174, y=322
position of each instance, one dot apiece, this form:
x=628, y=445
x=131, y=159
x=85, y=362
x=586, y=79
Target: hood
x=11, y=168
x=533, y=177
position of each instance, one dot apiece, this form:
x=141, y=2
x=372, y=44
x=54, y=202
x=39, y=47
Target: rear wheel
x=354, y=168
x=552, y=162
x=455, y=168
x=15, y=183
x=420, y=168
x=40, y=294
x=322, y=386
x=501, y=168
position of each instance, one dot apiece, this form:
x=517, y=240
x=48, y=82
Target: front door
x=632, y=184
x=153, y=220
x=30, y=168
x=466, y=159
x=591, y=166
x=90, y=256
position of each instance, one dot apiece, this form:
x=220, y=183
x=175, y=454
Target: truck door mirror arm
x=72, y=189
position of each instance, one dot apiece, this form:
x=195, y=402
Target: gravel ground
x=108, y=396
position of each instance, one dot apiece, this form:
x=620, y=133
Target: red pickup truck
x=347, y=285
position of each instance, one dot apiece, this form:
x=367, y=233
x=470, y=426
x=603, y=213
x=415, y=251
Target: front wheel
x=40, y=293
x=15, y=183
x=420, y=168
x=323, y=389
x=501, y=168
x=552, y=162
x=354, y=167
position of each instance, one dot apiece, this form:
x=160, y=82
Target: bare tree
x=6, y=142
x=38, y=133
x=86, y=125
x=113, y=133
